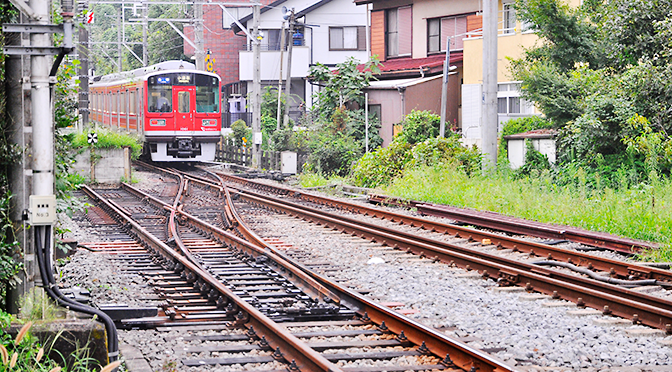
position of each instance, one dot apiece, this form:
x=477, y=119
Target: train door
x=184, y=98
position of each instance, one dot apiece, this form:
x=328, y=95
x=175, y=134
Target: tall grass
x=109, y=139
x=640, y=212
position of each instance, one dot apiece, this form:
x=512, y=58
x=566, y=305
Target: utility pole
x=288, y=81
x=489, y=114
x=282, y=49
x=256, y=89
x=83, y=51
x=121, y=15
x=444, y=90
x=198, y=36
x=145, y=12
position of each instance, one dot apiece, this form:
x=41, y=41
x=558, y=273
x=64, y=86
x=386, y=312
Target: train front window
x=207, y=94
x=160, y=98
x=183, y=102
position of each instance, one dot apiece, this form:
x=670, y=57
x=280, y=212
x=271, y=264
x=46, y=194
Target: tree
x=596, y=68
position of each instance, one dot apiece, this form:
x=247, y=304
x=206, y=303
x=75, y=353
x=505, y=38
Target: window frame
x=397, y=33
x=358, y=37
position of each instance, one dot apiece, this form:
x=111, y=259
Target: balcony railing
x=273, y=47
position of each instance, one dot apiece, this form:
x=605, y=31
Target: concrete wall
x=111, y=165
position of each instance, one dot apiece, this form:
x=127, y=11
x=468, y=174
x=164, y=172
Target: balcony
x=270, y=63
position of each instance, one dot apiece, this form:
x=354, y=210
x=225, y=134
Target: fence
x=270, y=160
x=229, y=117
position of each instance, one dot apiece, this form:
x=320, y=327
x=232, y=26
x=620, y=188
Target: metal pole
x=198, y=36
x=119, y=59
x=256, y=89
x=366, y=121
x=282, y=49
x=288, y=82
x=84, y=75
x=489, y=113
x=145, y=55
x=444, y=89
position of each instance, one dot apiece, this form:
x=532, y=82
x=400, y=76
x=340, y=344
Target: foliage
x=343, y=86
x=639, y=212
x=420, y=125
x=535, y=162
x=519, y=125
x=381, y=166
x=332, y=153
x=595, y=69
x=356, y=128
x=109, y=139
x=437, y=151
x=241, y=133
x=24, y=352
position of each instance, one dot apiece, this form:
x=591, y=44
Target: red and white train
x=171, y=105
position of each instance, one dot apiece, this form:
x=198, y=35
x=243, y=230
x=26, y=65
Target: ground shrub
x=381, y=166
x=420, y=125
x=440, y=150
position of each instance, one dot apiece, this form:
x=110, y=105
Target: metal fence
x=270, y=160
x=229, y=117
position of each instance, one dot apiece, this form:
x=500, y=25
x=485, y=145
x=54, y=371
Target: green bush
x=535, y=162
x=380, y=167
x=420, y=125
x=439, y=150
x=519, y=125
x=240, y=131
x=332, y=153
x=108, y=139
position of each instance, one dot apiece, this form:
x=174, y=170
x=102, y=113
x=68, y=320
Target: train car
x=172, y=106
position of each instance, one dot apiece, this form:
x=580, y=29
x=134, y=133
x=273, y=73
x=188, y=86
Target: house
x=326, y=31
x=410, y=38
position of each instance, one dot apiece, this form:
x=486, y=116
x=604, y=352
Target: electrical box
x=42, y=210
x=288, y=165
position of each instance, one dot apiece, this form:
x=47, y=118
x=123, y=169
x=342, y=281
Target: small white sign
x=258, y=138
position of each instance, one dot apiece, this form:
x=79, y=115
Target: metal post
x=288, y=81
x=489, y=113
x=83, y=51
x=366, y=121
x=119, y=58
x=18, y=110
x=145, y=11
x=256, y=88
x=282, y=49
x=198, y=36
x=444, y=89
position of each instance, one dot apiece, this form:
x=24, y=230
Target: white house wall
x=270, y=64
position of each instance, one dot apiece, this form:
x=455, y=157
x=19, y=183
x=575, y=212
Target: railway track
x=212, y=277
x=610, y=294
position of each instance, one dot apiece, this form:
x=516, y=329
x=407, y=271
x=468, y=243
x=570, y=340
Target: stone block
x=644, y=332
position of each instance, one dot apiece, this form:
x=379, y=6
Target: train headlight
x=157, y=122
x=209, y=122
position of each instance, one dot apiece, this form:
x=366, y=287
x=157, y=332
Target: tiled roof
x=429, y=65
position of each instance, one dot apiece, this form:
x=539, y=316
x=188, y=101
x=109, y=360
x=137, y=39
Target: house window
x=509, y=101
x=439, y=29
x=398, y=31
x=270, y=41
x=347, y=38
x=509, y=19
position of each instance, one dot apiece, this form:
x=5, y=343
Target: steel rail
x=439, y=344
x=615, y=267
x=311, y=287
x=453, y=352
x=294, y=349
x=645, y=309
x=501, y=222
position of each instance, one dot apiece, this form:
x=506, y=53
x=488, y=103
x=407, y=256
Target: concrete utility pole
x=256, y=89
x=489, y=114
x=288, y=81
x=199, y=52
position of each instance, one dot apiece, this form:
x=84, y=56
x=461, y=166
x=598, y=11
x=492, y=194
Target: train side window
x=131, y=102
x=183, y=106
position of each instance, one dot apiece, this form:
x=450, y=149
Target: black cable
x=621, y=282
x=49, y=284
